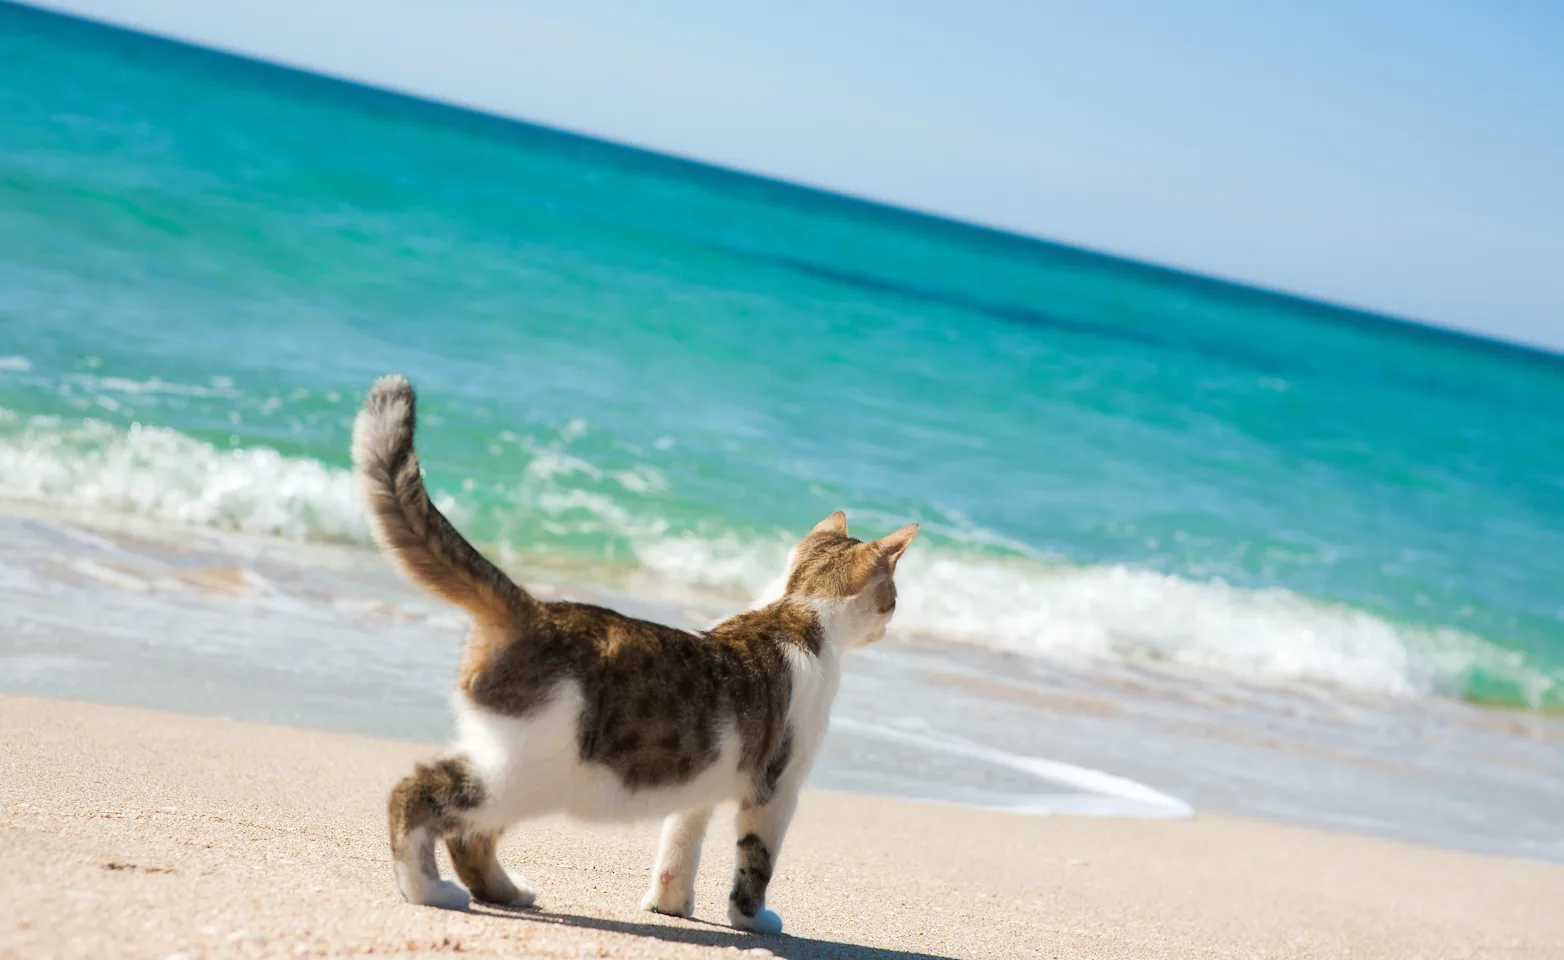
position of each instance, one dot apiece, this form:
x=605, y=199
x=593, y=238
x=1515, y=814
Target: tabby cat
x=569, y=707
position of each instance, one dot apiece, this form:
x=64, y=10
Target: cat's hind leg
x=678, y=858
x=432, y=802
x=474, y=855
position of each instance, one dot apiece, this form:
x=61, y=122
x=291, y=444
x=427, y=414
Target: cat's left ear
x=835, y=524
x=892, y=547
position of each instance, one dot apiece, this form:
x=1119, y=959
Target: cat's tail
x=408, y=526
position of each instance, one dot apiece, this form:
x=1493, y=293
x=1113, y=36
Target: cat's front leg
x=760, y=830
x=678, y=857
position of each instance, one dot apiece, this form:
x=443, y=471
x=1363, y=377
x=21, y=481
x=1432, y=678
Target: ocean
x=641, y=377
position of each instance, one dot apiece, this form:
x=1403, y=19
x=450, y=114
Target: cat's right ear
x=892, y=547
x=835, y=524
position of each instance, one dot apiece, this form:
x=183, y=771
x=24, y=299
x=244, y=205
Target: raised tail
x=408, y=526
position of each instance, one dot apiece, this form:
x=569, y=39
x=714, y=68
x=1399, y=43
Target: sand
x=141, y=834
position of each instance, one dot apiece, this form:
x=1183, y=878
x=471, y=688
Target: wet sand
x=136, y=833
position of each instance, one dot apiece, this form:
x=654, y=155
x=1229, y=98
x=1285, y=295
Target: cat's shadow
x=706, y=934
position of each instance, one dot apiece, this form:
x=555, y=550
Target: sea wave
x=166, y=475
x=1112, y=612
x=957, y=588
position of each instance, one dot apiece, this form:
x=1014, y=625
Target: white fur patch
x=447, y=896
x=815, y=679
x=416, y=886
x=531, y=766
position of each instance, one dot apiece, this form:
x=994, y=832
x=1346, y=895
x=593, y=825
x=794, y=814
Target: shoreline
x=329, y=638
x=155, y=834
x=643, y=592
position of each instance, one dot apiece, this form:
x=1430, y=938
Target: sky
x=1398, y=156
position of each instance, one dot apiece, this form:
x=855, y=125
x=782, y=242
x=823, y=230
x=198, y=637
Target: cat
x=574, y=708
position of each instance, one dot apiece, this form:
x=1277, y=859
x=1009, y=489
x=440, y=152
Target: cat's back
x=515, y=672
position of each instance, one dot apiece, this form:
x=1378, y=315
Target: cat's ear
x=835, y=524
x=892, y=547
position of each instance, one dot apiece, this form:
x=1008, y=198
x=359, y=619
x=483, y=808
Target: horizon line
x=1344, y=312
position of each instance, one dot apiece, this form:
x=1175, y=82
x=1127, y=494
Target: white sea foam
x=1115, y=612
x=962, y=593
x=1081, y=614
x=728, y=560
x=219, y=386
x=163, y=474
x=1091, y=792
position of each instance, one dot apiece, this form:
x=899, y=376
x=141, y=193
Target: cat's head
x=854, y=579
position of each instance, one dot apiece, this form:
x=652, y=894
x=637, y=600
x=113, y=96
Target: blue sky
x=1403, y=157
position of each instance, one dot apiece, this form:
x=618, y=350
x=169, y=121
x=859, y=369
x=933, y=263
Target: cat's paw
x=670, y=896
x=764, y=921
x=526, y=893
x=510, y=890
x=446, y=896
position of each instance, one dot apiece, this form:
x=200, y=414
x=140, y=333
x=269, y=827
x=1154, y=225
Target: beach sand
x=143, y=834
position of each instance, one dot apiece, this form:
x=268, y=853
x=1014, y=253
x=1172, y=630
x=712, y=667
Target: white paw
x=671, y=896
x=526, y=894
x=447, y=896
x=764, y=921
x=668, y=902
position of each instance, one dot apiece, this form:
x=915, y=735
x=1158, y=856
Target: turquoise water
x=647, y=373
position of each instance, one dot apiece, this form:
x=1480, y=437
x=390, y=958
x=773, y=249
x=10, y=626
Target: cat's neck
x=822, y=626
x=843, y=624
